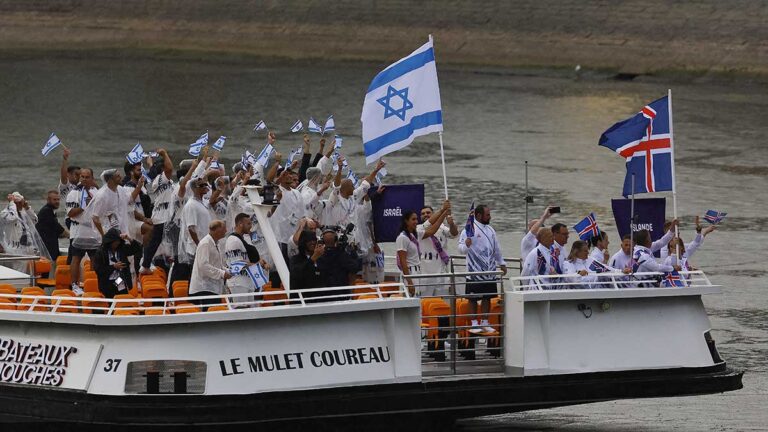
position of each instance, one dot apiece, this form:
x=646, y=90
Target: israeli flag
x=145, y=173
x=214, y=165
x=312, y=126
x=258, y=276
x=259, y=126
x=380, y=176
x=297, y=127
x=247, y=160
x=219, y=144
x=136, y=154
x=294, y=155
x=338, y=142
x=52, y=143
x=402, y=102
x=330, y=125
x=237, y=267
x=263, y=157
x=195, y=147
x=351, y=175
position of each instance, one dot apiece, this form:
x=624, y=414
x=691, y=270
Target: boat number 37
x=112, y=365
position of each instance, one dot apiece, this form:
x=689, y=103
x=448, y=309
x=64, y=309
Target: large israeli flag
x=402, y=102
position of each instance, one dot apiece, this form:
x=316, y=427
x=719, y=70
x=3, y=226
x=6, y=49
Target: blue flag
x=312, y=126
x=219, y=144
x=402, y=103
x=52, y=143
x=337, y=142
x=470, y=226
x=258, y=276
x=598, y=267
x=714, y=217
x=136, y=154
x=644, y=141
x=587, y=228
x=263, y=157
x=380, y=176
x=351, y=175
x=237, y=267
x=330, y=125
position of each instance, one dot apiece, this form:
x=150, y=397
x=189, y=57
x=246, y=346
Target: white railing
x=604, y=281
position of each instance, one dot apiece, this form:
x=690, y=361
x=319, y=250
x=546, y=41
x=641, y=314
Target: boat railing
x=27, y=263
x=613, y=280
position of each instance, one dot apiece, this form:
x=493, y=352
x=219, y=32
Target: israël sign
x=45, y=363
x=389, y=207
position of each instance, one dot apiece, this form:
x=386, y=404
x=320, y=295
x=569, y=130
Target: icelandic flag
x=555, y=254
x=135, y=155
x=470, y=227
x=330, y=125
x=714, y=216
x=297, y=127
x=337, y=142
x=402, y=103
x=258, y=276
x=52, y=143
x=587, y=228
x=263, y=157
x=380, y=176
x=259, y=126
x=672, y=279
x=598, y=267
x=645, y=142
x=237, y=267
x=312, y=126
x=219, y=144
x=195, y=147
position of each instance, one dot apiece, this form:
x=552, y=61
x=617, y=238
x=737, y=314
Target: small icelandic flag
x=297, y=127
x=312, y=126
x=263, y=157
x=587, y=227
x=380, y=175
x=52, y=143
x=470, y=227
x=219, y=144
x=135, y=155
x=330, y=125
x=338, y=141
x=714, y=217
x=195, y=147
x=598, y=267
x=672, y=279
x=258, y=276
x=260, y=126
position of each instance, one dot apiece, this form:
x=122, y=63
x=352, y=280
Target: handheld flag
x=380, y=175
x=297, y=127
x=541, y=263
x=263, y=157
x=312, y=126
x=402, y=103
x=297, y=153
x=351, y=175
x=598, y=267
x=247, y=160
x=145, y=174
x=219, y=144
x=52, y=143
x=644, y=141
x=136, y=154
x=672, y=279
x=587, y=228
x=337, y=142
x=214, y=165
x=259, y=126
x=330, y=125
x=237, y=267
x=258, y=276
x=195, y=147
x=555, y=254
x=470, y=227
x=714, y=217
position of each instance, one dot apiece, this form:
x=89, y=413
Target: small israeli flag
x=247, y=160
x=258, y=276
x=297, y=127
x=215, y=165
x=197, y=146
x=330, y=125
x=380, y=176
x=84, y=197
x=338, y=140
x=295, y=154
x=402, y=103
x=351, y=175
x=312, y=126
x=219, y=144
x=237, y=267
x=52, y=143
x=259, y=126
x=145, y=173
x=136, y=154
x=263, y=157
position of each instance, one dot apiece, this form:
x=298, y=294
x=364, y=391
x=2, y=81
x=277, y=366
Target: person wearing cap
x=208, y=271
x=111, y=263
x=195, y=218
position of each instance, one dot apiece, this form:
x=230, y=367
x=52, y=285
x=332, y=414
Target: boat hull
x=446, y=399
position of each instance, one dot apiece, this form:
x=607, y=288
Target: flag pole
x=672, y=156
x=631, y=230
x=527, y=198
x=440, y=134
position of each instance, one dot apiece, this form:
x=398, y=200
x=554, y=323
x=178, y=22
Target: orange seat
x=368, y=297
x=185, y=307
x=26, y=303
x=87, y=266
x=90, y=274
x=39, y=268
x=363, y=290
x=181, y=289
x=91, y=286
x=220, y=308
x=64, y=306
x=154, y=291
x=93, y=300
x=273, y=299
x=8, y=289
x=63, y=277
x=61, y=260
x=126, y=307
x=7, y=304
x=158, y=311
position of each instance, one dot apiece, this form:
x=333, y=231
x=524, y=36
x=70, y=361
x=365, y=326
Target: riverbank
x=628, y=38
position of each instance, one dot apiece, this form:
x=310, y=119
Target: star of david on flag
x=402, y=103
x=297, y=127
x=258, y=276
x=237, y=267
x=52, y=143
x=352, y=176
x=645, y=142
x=135, y=155
x=219, y=144
x=312, y=126
x=714, y=216
x=195, y=147
x=259, y=126
x=330, y=125
x=263, y=157
x=587, y=228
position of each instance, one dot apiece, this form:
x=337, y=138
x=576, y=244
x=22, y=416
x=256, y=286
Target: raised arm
x=167, y=162
x=337, y=178
x=441, y=214
x=372, y=176
x=64, y=178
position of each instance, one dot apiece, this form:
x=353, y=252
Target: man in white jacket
x=208, y=271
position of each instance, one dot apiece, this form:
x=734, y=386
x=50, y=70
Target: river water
x=494, y=121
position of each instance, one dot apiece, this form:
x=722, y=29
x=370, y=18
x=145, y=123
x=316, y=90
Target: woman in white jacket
x=576, y=272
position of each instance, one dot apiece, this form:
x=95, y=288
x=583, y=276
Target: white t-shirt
x=65, y=189
x=527, y=244
x=111, y=207
x=195, y=214
x=82, y=232
x=162, y=192
x=405, y=243
x=235, y=251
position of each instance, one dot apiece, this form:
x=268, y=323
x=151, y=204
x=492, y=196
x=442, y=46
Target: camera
x=342, y=234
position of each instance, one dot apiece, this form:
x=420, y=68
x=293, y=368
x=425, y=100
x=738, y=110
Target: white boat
x=361, y=357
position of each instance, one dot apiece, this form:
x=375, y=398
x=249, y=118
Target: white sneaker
x=487, y=327
x=77, y=290
x=475, y=328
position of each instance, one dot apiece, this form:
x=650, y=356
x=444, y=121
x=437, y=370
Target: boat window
x=165, y=377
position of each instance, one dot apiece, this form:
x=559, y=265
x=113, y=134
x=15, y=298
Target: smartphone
x=553, y=210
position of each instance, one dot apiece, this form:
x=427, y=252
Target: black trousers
x=154, y=244
x=204, y=303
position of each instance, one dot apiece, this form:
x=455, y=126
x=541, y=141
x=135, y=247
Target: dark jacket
x=304, y=274
x=50, y=229
x=104, y=269
x=336, y=266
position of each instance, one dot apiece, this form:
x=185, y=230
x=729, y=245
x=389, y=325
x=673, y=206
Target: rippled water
x=493, y=123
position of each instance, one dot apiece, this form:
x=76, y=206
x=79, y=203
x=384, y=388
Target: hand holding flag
x=470, y=226
x=714, y=217
x=195, y=147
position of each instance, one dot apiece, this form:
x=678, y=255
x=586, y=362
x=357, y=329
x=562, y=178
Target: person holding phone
x=111, y=263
